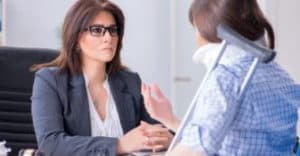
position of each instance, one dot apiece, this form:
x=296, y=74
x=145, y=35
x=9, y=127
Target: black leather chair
x=15, y=91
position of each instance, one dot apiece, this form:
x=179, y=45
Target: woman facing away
x=85, y=102
x=263, y=123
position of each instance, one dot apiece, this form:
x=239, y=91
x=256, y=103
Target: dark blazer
x=61, y=118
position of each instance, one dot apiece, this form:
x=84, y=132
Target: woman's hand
x=159, y=107
x=134, y=140
x=159, y=137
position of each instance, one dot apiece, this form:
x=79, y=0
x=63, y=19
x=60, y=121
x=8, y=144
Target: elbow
x=48, y=144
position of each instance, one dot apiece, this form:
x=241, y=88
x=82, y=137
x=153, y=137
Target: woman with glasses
x=263, y=122
x=85, y=102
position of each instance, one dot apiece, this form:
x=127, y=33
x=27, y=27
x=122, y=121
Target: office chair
x=16, y=82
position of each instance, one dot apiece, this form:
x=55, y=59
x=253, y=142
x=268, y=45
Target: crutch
x=229, y=36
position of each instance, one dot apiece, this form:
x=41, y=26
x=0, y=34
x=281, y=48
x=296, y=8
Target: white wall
x=288, y=33
x=147, y=40
x=186, y=76
x=34, y=23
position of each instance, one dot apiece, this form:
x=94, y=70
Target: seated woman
x=85, y=102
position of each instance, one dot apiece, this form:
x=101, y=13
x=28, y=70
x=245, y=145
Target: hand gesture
x=159, y=106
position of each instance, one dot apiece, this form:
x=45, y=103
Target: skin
x=96, y=52
x=159, y=108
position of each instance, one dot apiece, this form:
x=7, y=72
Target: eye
x=96, y=30
x=113, y=30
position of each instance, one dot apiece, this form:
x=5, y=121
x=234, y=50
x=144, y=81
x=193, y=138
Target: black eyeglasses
x=100, y=30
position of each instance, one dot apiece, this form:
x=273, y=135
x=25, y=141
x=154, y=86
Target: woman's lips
x=108, y=49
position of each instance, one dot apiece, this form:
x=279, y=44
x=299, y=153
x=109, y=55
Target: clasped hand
x=145, y=137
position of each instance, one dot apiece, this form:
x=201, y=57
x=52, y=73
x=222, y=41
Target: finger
x=147, y=102
x=147, y=143
x=150, y=101
x=147, y=94
x=147, y=147
x=143, y=88
x=143, y=91
x=142, y=127
x=158, y=140
x=154, y=127
x=157, y=125
x=146, y=140
x=157, y=134
x=148, y=91
x=143, y=122
x=169, y=135
x=158, y=148
x=157, y=129
x=157, y=90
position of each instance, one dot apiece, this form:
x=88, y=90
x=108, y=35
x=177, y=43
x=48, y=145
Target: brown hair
x=76, y=20
x=244, y=16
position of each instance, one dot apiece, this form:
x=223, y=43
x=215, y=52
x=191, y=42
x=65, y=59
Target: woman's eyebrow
x=102, y=25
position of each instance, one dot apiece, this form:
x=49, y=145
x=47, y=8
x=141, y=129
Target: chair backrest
x=15, y=91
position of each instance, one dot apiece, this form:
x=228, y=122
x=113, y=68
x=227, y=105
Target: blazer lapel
x=78, y=105
x=124, y=102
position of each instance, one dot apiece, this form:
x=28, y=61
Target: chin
x=106, y=59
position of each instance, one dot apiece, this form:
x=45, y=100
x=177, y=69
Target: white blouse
x=111, y=126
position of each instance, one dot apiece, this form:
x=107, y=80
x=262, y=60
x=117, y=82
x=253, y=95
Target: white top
x=111, y=126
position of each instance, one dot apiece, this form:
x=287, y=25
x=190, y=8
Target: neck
x=95, y=71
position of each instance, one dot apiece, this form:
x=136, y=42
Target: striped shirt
x=111, y=126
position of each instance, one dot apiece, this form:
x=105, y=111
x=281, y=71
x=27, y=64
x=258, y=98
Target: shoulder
x=225, y=79
x=50, y=74
x=48, y=71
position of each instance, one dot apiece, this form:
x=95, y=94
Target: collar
x=208, y=53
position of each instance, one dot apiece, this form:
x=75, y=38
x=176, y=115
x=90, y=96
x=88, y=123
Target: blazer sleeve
x=48, y=120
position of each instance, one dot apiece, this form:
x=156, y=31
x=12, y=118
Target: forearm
x=62, y=144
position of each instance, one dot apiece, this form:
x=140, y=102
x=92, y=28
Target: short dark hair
x=244, y=16
x=76, y=20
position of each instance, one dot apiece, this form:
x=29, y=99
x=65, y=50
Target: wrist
x=172, y=123
x=120, y=147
